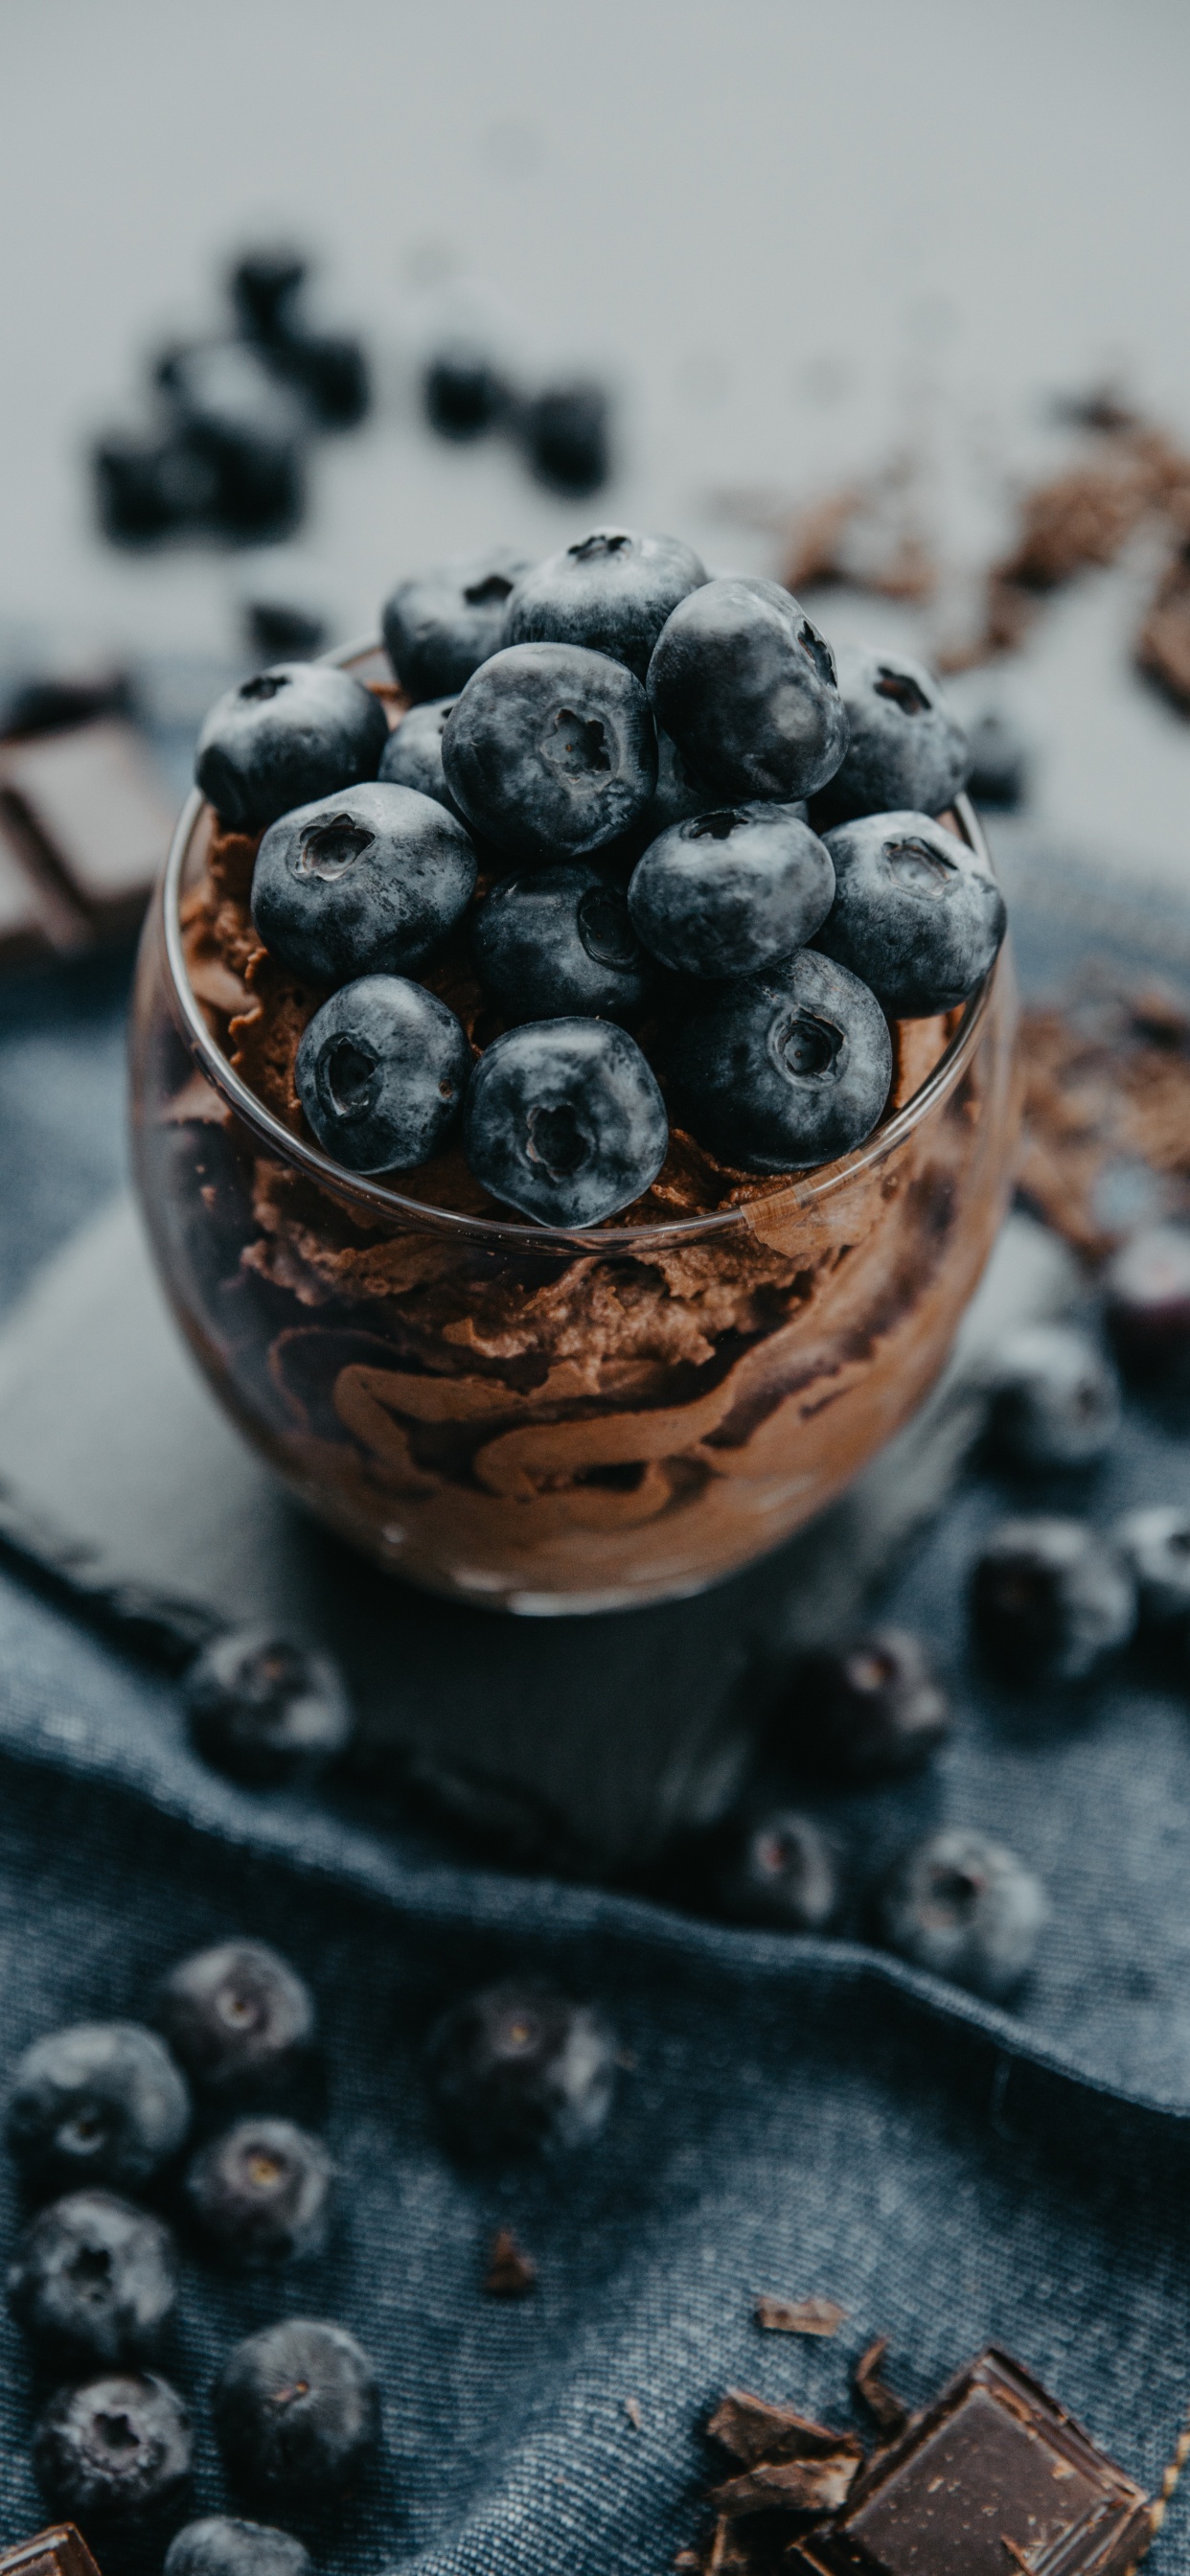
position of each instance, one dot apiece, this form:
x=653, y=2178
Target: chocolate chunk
x=891, y=2414
x=793, y=2486
x=60, y=2551
x=31, y=925
x=753, y=2431
x=798, y=2316
x=511, y=2273
x=994, y=2475
x=90, y=815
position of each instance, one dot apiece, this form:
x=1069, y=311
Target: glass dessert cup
x=547, y=1421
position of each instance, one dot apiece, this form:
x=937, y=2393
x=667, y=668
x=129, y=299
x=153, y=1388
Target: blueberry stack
x=695, y=868
x=104, y=2110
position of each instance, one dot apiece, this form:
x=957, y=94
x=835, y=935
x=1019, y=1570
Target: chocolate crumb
x=754, y=2431
x=794, y=2486
x=798, y=2316
x=890, y=2411
x=633, y=2413
x=511, y=2273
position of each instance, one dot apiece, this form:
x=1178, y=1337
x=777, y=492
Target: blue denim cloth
x=794, y=2116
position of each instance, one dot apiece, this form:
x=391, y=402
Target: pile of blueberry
x=692, y=861
x=106, y=2110
x=226, y=455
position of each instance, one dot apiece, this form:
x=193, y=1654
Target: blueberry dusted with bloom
x=783, y=1069
x=239, y=2019
x=965, y=1908
x=564, y=1120
x=297, y=2411
x=917, y=913
x=744, y=685
x=265, y=284
x=261, y=2192
x=865, y=1711
x=218, y=2545
x=412, y=756
x=116, y=2450
x=463, y=391
x=1050, y=1598
x=442, y=624
x=266, y=1709
x=725, y=892
x=381, y=1073
x=287, y=737
x=565, y=432
x=1146, y=1288
x=611, y=591
x=775, y=1867
x=93, y=2279
x=1155, y=1546
x=517, y=2069
x=680, y=791
x=551, y=751
x=367, y=883
x=1055, y=1399
x=560, y=942
x=906, y=748
x=102, y=2102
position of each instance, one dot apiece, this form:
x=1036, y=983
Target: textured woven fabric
x=793, y=2116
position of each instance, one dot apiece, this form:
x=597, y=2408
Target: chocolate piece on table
x=994, y=2476
x=35, y=921
x=90, y=815
x=60, y=2551
x=890, y=2411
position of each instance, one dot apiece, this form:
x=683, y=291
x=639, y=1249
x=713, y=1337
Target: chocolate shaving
x=890, y=2412
x=633, y=2413
x=798, y=2316
x=754, y=2431
x=511, y=2273
x=795, y=2486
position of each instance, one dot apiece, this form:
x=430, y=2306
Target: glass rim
x=805, y=1191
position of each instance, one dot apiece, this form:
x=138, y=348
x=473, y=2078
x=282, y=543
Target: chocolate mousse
x=516, y=1412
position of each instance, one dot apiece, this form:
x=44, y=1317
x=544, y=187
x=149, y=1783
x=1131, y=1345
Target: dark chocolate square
x=994, y=2477
x=60, y=2551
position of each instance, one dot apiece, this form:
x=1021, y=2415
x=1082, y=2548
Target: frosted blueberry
x=381, y=1073
x=906, y=748
x=564, y=1120
x=557, y=942
x=518, y=2068
x=783, y=1069
x=550, y=751
x=1050, y=1598
x=439, y=626
x=370, y=882
x=726, y=892
x=917, y=913
x=294, y=733
x=745, y=686
x=611, y=591
x=966, y=1908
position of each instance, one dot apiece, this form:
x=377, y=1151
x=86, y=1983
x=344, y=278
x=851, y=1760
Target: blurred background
x=797, y=249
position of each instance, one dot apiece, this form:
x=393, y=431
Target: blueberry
x=1049, y=1598
x=564, y=1120
x=611, y=591
x=906, y=749
x=463, y=391
x=297, y=2410
x=264, y=1708
x=963, y=1907
x=775, y=1867
x=916, y=913
x=745, y=686
x=785, y=1069
x=864, y=1711
x=221, y=2546
x=680, y=791
x=102, y=2102
x=282, y=620
x=412, y=756
x=565, y=431
x=370, y=882
x=239, y=2019
x=151, y=487
x=558, y=942
x=290, y=735
x=116, y=2450
x=518, y=2068
x=440, y=626
x=260, y=2193
x=999, y=773
x=330, y=370
x=551, y=751
x=1146, y=1288
x=265, y=283
x=381, y=1074
x=726, y=892
x=1155, y=1546
x=93, y=2279
x=1055, y=1399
